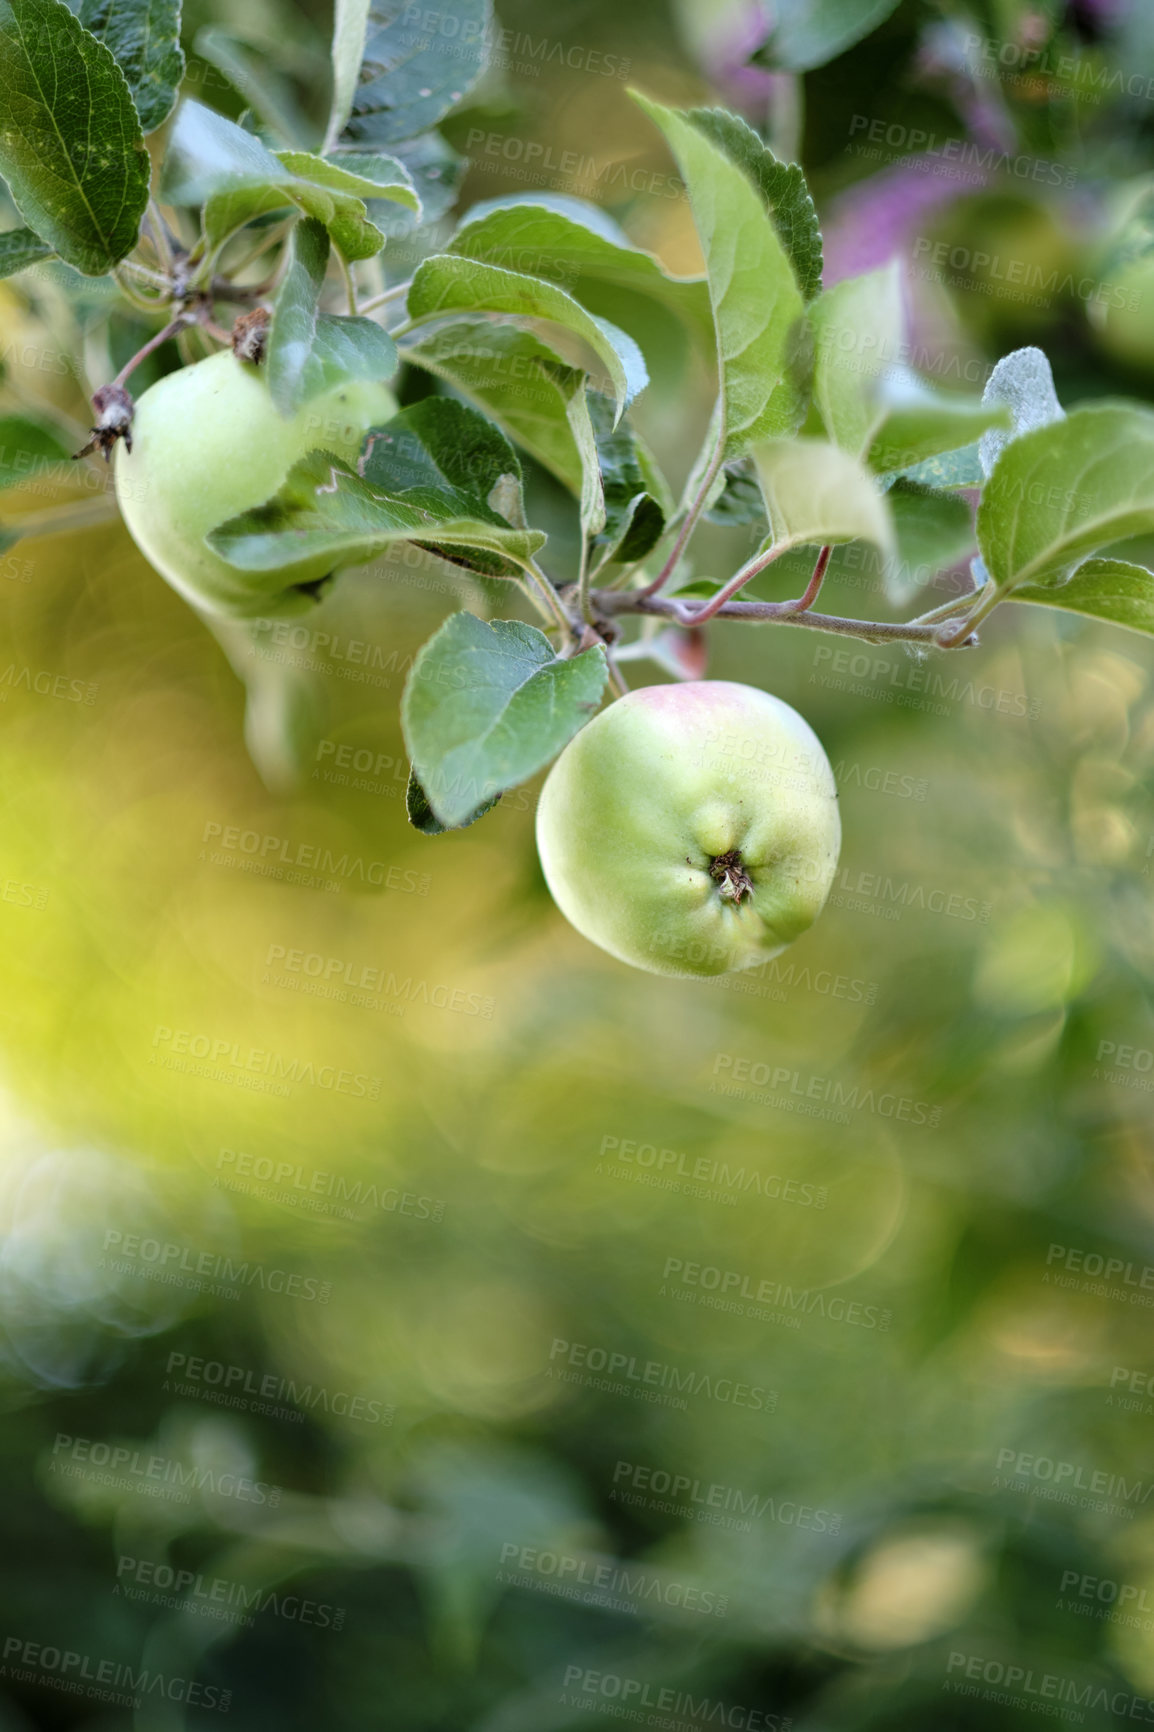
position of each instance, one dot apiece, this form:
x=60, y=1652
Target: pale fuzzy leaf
x=816, y=493
x=1023, y=383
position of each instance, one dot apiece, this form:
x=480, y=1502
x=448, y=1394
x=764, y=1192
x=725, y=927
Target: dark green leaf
x=486, y=706
x=26, y=447
x=440, y=443
x=782, y=185
x=450, y=284
x=808, y=33
x=20, y=248
x=428, y=476
x=247, y=68
x=1107, y=589
x=144, y=36
x=634, y=518
x=418, y=62
x=294, y=317
x=575, y=245
x=740, y=500
x=447, y=454
x=346, y=348
x=71, y=147
x=436, y=171
x=422, y=817
x=519, y=381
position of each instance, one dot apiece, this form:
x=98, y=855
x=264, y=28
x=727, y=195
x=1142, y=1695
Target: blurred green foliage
x=365, y=1245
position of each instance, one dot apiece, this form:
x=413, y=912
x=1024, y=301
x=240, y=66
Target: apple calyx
x=250, y=335
x=729, y=874
x=114, y=409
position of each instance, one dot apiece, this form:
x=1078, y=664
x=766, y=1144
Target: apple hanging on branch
x=688, y=828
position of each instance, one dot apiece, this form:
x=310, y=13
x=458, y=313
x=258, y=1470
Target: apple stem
x=170, y=330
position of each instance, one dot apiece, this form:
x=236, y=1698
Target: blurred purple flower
x=870, y=222
x=749, y=88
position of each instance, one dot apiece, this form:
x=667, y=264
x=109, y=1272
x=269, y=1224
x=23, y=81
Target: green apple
x=208, y=442
x=691, y=829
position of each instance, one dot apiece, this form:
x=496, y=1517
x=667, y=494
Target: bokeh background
x=371, y=1247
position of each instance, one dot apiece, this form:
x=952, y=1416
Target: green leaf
x=71, y=147
x=884, y=412
x=436, y=171
x=933, y=531
x=418, y=62
x=428, y=476
x=342, y=213
x=521, y=383
x=758, y=310
x=294, y=316
x=26, y=447
x=247, y=67
x=636, y=502
x=858, y=328
x=450, y=284
x=809, y=33
x=914, y=423
x=20, y=248
x=209, y=155
x=486, y=706
x=464, y=464
x=144, y=36
x=782, y=185
x=1107, y=589
x=367, y=175
x=739, y=501
x=1064, y=490
x=228, y=211
x=422, y=817
x=951, y=469
x=576, y=245
x=238, y=184
x=345, y=348
x=815, y=493
x=350, y=22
